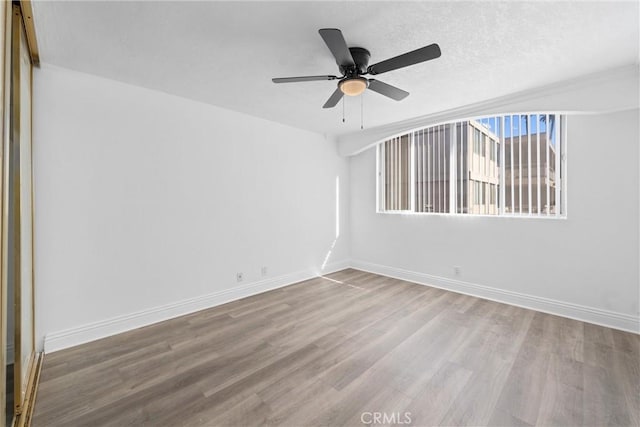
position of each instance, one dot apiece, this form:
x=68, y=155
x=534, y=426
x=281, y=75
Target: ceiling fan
x=353, y=63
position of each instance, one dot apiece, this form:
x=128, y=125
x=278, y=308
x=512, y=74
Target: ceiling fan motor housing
x=361, y=58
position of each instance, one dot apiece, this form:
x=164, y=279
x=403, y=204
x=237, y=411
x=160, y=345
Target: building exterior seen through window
x=499, y=165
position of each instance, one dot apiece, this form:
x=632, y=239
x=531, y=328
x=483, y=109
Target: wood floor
x=328, y=350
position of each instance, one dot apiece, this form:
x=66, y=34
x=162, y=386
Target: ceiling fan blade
x=410, y=58
x=333, y=99
x=387, y=90
x=338, y=47
x=302, y=79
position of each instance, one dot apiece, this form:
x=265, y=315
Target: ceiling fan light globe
x=353, y=86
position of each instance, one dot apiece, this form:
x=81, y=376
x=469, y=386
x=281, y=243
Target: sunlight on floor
x=343, y=283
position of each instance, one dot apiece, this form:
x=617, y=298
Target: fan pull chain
x=361, y=111
x=343, y=109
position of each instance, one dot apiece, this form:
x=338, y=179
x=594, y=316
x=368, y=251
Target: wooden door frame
x=15, y=17
x=5, y=85
x=15, y=203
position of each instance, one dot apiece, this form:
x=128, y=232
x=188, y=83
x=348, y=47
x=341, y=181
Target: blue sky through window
x=519, y=124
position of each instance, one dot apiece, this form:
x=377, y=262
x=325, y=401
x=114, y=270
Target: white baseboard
x=597, y=316
x=82, y=334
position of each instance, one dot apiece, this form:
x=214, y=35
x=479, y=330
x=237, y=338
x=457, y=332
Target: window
x=484, y=146
x=498, y=165
x=476, y=193
x=476, y=142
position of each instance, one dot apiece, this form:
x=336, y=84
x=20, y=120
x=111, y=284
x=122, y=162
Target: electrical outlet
x=264, y=271
x=239, y=277
x=457, y=270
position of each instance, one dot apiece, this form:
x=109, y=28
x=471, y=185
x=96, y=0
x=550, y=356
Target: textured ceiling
x=225, y=53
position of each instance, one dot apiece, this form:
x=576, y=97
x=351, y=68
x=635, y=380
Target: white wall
x=587, y=265
x=144, y=199
x=604, y=92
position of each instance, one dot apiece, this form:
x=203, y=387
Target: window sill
x=509, y=216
